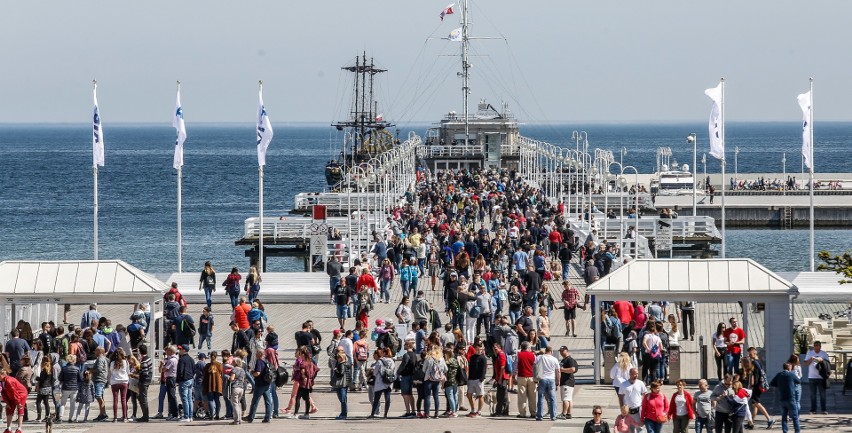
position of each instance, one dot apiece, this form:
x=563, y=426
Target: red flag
x=447, y=11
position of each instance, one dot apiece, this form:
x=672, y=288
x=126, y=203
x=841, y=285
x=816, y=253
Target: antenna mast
x=465, y=67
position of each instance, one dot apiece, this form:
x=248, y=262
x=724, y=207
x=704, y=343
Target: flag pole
x=811, y=172
x=260, y=205
x=95, y=176
x=179, y=208
x=722, y=110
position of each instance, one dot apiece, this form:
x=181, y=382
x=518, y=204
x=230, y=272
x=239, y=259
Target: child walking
x=85, y=396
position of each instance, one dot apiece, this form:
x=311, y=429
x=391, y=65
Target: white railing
x=637, y=248
x=453, y=151
x=510, y=150
x=340, y=201
x=684, y=227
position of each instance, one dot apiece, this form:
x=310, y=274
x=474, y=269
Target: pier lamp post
x=704, y=163
x=355, y=180
x=373, y=178
x=693, y=138
x=784, y=176
x=736, y=169
x=623, y=182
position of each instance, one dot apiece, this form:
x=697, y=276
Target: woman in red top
x=680, y=408
x=655, y=408
x=14, y=394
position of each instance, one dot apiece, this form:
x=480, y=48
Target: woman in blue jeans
x=253, y=283
x=232, y=286
x=435, y=369
x=208, y=283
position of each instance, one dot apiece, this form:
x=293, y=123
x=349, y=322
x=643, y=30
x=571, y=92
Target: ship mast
x=363, y=117
x=465, y=67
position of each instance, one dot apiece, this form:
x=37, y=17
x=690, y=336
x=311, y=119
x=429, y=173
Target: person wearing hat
x=185, y=380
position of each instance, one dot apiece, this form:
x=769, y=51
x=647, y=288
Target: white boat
x=677, y=181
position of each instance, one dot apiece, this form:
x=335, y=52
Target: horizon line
x=420, y=123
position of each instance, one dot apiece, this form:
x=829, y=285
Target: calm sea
x=46, y=186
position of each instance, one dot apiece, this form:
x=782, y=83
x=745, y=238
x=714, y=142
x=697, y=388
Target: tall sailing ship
x=367, y=133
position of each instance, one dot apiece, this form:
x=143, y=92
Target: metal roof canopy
x=819, y=286
x=691, y=280
x=704, y=280
x=76, y=282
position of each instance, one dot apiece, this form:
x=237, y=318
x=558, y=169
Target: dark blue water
x=46, y=186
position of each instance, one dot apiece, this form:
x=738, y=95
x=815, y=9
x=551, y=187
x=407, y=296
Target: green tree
x=839, y=264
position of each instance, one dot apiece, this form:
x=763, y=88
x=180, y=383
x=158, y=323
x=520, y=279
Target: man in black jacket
x=185, y=379
x=183, y=328
x=240, y=340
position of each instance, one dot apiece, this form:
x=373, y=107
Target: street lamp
x=704, y=163
x=736, y=169
x=693, y=138
x=622, y=181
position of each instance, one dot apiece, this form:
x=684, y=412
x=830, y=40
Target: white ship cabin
x=492, y=140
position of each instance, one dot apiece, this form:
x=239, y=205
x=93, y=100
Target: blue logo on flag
x=179, y=112
x=96, y=126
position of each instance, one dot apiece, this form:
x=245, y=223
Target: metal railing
x=684, y=227
x=340, y=201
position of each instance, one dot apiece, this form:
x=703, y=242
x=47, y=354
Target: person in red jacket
x=14, y=395
x=681, y=408
x=241, y=314
x=178, y=297
x=555, y=239
x=655, y=408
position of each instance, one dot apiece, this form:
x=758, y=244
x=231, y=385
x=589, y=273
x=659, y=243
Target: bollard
x=674, y=364
x=609, y=361
x=702, y=353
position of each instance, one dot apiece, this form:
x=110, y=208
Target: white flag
x=806, y=104
x=180, y=127
x=717, y=142
x=97, y=133
x=455, y=35
x=264, y=130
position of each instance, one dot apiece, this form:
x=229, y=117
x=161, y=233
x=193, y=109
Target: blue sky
x=562, y=61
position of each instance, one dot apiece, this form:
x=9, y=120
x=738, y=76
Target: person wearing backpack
x=183, y=328
x=436, y=373
x=361, y=350
x=262, y=388
x=207, y=282
x=232, y=286
x=384, y=372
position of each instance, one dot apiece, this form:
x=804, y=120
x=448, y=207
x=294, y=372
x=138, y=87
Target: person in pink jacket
x=625, y=423
x=14, y=395
x=655, y=408
x=681, y=408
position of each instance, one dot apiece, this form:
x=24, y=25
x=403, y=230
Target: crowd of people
x=492, y=241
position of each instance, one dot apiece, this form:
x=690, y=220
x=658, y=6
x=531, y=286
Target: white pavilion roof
x=84, y=281
x=691, y=279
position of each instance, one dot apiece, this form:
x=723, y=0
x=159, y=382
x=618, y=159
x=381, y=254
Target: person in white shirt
x=346, y=344
x=119, y=379
x=546, y=366
x=633, y=390
x=817, y=360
